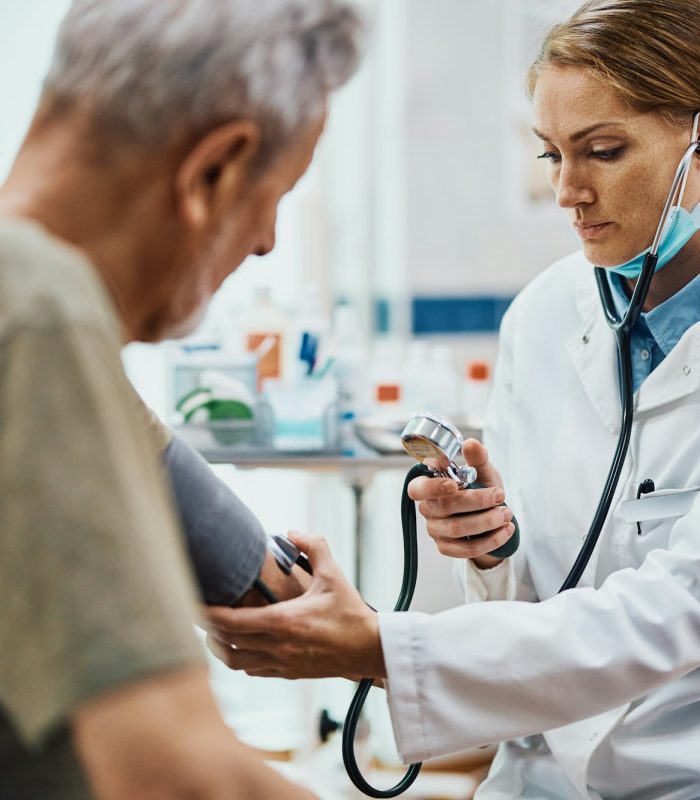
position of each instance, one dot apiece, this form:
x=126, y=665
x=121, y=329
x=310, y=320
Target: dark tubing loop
x=408, y=585
x=622, y=326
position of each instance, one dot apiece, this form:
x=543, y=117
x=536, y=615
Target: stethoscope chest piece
x=429, y=436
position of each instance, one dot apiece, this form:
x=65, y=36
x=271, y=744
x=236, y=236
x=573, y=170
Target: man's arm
x=164, y=739
x=225, y=541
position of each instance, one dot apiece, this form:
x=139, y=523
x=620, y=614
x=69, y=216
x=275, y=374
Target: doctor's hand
x=466, y=523
x=327, y=632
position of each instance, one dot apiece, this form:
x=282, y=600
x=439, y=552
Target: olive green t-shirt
x=95, y=589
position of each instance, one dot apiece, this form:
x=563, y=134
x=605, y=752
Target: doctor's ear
x=215, y=172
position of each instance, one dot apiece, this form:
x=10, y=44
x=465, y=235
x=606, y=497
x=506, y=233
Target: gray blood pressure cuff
x=226, y=542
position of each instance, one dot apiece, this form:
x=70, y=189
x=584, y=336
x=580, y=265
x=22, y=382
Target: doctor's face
x=610, y=166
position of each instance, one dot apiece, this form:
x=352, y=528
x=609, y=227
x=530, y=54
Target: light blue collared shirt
x=657, y=332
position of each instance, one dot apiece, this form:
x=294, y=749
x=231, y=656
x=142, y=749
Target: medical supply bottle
x=349, y=365
x=442, y=380
x=263, y=329
x=477, y=390
x=416, y=392
x=309, y=336
x=385, y=385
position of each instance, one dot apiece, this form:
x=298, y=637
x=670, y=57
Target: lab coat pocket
x=651, y=520
x=662, y=504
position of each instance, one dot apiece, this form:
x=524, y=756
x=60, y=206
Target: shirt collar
x=668, y=322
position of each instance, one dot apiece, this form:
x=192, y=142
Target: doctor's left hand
x=326, y=632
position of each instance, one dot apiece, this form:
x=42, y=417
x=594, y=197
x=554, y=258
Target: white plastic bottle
x=417, y=394
x=444, y=383
x=385, y=386
x=310, y=332
x=264, y=329
x=477, y=391
x=349, y=362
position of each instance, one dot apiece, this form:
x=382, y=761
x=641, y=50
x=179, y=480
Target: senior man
x=167, y=133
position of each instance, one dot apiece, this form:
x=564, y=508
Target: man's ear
x=215, y=170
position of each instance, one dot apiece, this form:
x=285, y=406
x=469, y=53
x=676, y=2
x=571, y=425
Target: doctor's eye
x=550, y=155
x=608, y=155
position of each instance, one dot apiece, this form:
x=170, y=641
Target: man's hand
x=327, y=632
x=455, y=518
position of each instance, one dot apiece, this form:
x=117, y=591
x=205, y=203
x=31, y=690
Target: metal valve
x=429, y=436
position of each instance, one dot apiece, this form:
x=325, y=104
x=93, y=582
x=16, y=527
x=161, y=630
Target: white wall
x=27, y=30
x=464, y=109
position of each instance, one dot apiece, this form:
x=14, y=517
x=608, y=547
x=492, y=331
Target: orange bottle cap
x=388, y=392
x=478, y=371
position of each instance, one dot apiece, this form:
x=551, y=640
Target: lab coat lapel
x=593, y=351
x=677, y=376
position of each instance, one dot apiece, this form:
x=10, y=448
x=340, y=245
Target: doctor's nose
x=572, y=190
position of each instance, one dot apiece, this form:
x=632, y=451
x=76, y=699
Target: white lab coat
x=608, y=671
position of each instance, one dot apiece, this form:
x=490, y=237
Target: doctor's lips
x=590, y=231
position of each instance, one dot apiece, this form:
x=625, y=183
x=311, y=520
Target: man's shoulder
x=47, y=284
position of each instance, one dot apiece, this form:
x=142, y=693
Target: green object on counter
x=230, y=420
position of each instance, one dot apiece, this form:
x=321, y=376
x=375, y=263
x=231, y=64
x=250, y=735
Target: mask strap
x=693, y=138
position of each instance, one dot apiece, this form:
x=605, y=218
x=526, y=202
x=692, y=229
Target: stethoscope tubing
x=622, y=328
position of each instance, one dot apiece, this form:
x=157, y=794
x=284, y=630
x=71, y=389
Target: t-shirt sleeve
x=95, y=589
x=160, y=435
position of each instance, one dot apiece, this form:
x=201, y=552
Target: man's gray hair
x=157, y=68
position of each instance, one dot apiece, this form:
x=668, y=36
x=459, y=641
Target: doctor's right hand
x=466, y=523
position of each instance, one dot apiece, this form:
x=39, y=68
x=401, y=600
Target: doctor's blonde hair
x=649, y=50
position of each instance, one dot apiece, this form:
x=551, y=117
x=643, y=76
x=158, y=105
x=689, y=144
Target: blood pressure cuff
x=226, y=542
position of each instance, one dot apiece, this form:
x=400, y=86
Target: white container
x=187, y=361
x=304, y=414
x=444, y=383
x=263, y=331
x=312, y=320
x=477, y=392
x=417, y=394
x=349, y=366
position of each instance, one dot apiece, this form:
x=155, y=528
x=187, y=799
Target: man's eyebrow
x=579, y=134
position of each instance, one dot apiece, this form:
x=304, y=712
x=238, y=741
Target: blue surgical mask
x=680, y=228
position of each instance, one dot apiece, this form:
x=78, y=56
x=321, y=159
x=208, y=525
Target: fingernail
x=498, y=495
x=507, y=515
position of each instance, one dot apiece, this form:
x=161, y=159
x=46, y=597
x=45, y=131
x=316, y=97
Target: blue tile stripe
x=470, y=314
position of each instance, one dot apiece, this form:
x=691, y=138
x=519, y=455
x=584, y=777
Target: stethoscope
x=622, y=328
x=428, y=436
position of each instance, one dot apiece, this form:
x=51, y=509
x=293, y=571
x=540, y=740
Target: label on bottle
x=270, y=364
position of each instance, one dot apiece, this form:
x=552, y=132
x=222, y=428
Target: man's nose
x=572, y=188
x=266, y=244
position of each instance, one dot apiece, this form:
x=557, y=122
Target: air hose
x=408, y=585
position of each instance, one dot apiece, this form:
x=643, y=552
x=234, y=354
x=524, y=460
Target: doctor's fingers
x=258, y=641
x=251, y=661
x=462, y=502
x=263, y=621
x=477, y=456
x=425, y=488
x=460, y=525
x=474, y=548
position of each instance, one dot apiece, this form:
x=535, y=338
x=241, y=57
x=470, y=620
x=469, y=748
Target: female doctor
x=595, y=693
